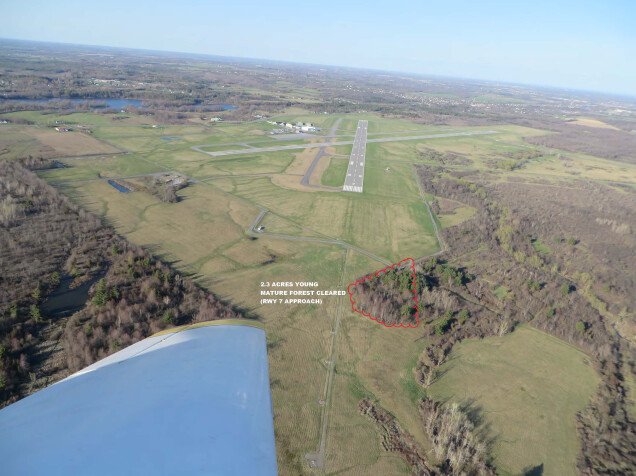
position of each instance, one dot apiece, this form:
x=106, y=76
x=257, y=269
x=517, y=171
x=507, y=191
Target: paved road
x=255, y=150
x=354, y=181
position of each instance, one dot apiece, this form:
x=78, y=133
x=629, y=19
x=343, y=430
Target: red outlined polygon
x=353, y=303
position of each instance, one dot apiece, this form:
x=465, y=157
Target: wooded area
x=45, y=239
x=547, y=301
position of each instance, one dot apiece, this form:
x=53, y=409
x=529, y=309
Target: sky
x=575, y=44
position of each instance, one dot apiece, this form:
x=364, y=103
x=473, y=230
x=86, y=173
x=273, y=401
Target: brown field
x=301, y=161
x=71, y=143
x=321, y=166
x=585, y=121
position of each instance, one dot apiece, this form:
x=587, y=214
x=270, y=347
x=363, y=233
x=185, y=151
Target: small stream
x=65, y=301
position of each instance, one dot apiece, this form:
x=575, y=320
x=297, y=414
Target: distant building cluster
x=293, y=127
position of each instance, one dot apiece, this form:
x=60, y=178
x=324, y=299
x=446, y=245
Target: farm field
x=332, y=238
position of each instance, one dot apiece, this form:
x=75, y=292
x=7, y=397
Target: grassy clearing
x=578, y=166
x=540, y=247
x=459, y=215
x=502, y=292
x=527, y=387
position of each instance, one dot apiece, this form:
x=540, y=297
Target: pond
x=121, y=188
x=65, y=301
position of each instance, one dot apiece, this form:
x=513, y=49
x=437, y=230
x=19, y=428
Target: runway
x=257, y=150
x=354, y=181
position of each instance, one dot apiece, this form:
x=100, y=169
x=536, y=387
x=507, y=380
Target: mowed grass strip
x=260, y=163
x=527, y=387
x=334, y=176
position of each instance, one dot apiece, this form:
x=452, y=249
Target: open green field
x=527, y=388
x=205, y=235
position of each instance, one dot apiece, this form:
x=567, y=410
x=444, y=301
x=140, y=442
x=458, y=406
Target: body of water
x=121, y=188
x=65, y=301
x=111, y=103
x=101, y=103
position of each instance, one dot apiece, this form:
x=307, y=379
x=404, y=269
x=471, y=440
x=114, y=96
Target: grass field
x=98, y=167
x=204, y=235
x=527, y=388
x=334, y=176
x=391, y=201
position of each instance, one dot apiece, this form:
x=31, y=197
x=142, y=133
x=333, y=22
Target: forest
x=545, y=299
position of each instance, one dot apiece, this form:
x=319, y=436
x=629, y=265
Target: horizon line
x=623, y=95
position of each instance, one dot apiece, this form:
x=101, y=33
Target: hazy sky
x=570, y=43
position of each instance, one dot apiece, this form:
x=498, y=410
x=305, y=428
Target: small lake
x=99, y=103
x=65, y=301
x=96, y=103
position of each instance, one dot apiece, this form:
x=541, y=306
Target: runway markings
x=354, y=181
